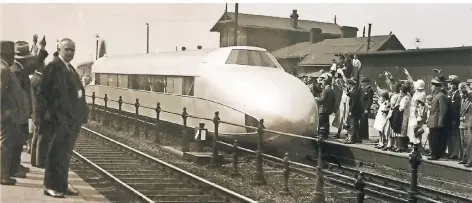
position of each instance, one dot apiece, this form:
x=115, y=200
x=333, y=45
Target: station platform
x=30, y=189
x=442, y=170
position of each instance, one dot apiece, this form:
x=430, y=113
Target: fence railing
x=104, y=114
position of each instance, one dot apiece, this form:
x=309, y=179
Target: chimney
x=348, y=32
x=199, y=47
x=368, y=37
x=183, y=48
x=294, y=19
x=363, y=32
x=315, y=35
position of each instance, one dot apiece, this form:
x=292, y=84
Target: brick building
x=309, y=57
x=273, y=33
x=419, y=62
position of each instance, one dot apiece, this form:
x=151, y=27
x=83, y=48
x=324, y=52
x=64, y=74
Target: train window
x=113, y=80
x=123, y=81
x=174, y=85
x=188, y=86
x=250, y=58
x=97, y=78
x=157, y=83
x=103, y=79
x=143, y=82
x=132, y=82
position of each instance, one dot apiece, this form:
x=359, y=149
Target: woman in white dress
x=417, y=105
x=381, y=118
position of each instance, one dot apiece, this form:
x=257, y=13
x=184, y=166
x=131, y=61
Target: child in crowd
x=381, y=118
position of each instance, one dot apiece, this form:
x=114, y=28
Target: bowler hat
x=453, y=79
x=7, y=47
x=22, y=50
x=365, y=79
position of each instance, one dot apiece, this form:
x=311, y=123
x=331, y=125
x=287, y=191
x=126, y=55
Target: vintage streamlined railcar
x=244, y=84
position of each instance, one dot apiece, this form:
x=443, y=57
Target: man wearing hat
x=437, y=119
x=42, y=130
x=355, y=111
x=14, y=111
x=326, y=104
x=22, y=69
x=367, y=98
x=454, y=98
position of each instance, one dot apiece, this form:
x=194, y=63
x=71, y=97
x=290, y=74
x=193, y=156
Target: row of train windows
x=181, y=85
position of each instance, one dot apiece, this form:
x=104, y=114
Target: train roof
x=184, y=63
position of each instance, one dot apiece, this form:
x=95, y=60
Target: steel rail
x=220, y=189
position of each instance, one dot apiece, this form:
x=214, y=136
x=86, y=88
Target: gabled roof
x=322, y=53
x=272, y=22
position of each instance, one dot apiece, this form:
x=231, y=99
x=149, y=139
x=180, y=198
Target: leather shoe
x=8, y=181
x=53, y=193
x=19, y=174
x=24, y=169
x=72, y=192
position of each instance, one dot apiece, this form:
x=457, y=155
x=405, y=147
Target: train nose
x=282, y=100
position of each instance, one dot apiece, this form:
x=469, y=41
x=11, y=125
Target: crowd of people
x=405, y=112
x=43, y=107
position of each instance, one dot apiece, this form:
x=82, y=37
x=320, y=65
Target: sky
x=123, y=26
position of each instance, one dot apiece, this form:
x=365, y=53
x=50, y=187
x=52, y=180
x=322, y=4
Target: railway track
x=378, y=187
x=147, y=178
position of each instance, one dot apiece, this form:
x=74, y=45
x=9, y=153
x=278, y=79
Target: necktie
x=71, y=68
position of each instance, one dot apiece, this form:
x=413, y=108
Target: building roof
x=322, y=53
x=409, y=51
x=272, y=22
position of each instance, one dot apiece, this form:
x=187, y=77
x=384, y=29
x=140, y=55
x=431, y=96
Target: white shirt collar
x=38, y=72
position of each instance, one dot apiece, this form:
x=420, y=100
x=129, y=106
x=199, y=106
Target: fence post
x=214, y=151
x=285, y=190
x=106, y=114
x=360, y=186
x=415, y=161
x=235, y=172
x=120, y=113
x=157, y=137
x=136, y=120
x=185, y=147
x=318, y=194
x=259, y=173
x=93, y=106
x=198, y=141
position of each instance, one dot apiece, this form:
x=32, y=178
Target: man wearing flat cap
x=355, y=112
x=453, y=114
x=14, y=112
x=367, y=98
x=22, y=69
x=437, y=119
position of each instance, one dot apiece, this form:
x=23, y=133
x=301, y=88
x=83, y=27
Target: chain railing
x=104, y=113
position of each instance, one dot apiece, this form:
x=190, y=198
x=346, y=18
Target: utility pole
x=98, y=38
x=236, y=12
x=147, y=37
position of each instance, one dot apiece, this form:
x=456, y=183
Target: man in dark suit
x=454, y=99
x=437, y=119
x=355, y=112
x=42, y=132
x=367, y=98
x=22, y=69
x=326, y=105
x=64, y=97
x=14, y=111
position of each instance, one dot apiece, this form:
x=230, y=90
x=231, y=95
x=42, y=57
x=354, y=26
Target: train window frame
x=236, y=57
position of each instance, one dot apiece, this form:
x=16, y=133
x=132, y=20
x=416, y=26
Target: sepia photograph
x=236, y=102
